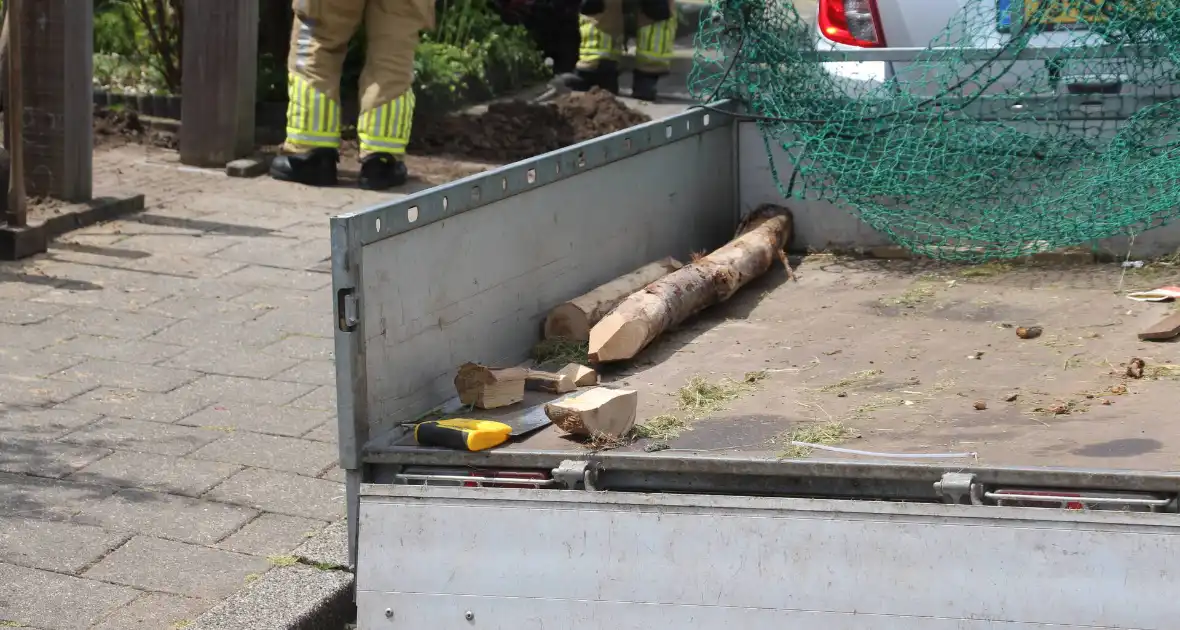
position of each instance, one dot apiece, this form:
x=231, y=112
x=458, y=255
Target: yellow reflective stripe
x=302, y=138
x=386, y=129
x=656, y=40
x=313, y=118
x=595, y=43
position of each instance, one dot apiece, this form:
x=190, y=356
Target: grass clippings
x=914, y=296
x=852, y=380
x=283, y=561
x=561, y=351
x=697, y=398
x=985, y=270
x=1162, y=372
x=826, y=433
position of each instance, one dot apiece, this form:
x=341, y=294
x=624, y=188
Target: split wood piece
x=572, y=320
x=1164, y=329
x=489, y=388
x=581, y=375
x=551, y=382
x=712, y=279
x=600, y=411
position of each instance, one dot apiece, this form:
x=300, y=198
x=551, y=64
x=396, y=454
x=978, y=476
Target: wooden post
x=55, y=42
x=16, y=213
x=220, y=76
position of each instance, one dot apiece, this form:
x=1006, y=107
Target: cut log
x=595, y=412
x=572, y=320
x=1164, y=329
x=712, y=279
x=553, y=383
x=489, y=388
x=581, y=375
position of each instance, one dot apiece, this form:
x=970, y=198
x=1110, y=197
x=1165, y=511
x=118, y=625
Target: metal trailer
x=541, y=533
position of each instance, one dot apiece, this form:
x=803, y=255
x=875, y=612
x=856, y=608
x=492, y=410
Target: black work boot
x=643, y=85
x=316, y=167
x=605, y=76
x=380, y=171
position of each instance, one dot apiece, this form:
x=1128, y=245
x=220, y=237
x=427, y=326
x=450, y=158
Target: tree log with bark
x=709, y=280
x=572, y=320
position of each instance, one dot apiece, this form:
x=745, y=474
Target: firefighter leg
x=387, y=99
x=653, y=48
x=600, y=30
x=319, y=42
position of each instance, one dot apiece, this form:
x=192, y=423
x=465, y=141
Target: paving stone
x=247, y=167
x=260, y=276
x=261, y=298
x=218, y=334
x=27, y=363
x=326, y=432
x=195, y=308
x=287, y=598
x=271, y=451
x=116, y=349
x=176, y=475
x=144, y=436
x=272, y=534
x=178, y=568
x=21, y=312
x=257, y=418
x=223, y=389
x=248, y=222
x=54, y=545
x=310, y=372
x=40, y=424
x=196, y=244
x=282, y=493
x=167, y=516
x=34, y=497
x=45, y=459
x=303, y=347
x=34, y=336
x=335, y=473
x=131, y=403
x=39, y=598
x=321, y=398
x=318, y=323
x=123, y=375
x=270, y=253
x=328, y=548
x=25, y=391
x=79, y=294
x=231, y=362
x=117, y=324
x=156, y=611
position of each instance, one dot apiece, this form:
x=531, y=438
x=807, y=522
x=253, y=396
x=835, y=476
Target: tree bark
x=595, y=412
x=712, y=279
x=572, y=320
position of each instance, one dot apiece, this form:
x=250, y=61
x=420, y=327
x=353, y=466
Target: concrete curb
x=17, y=243
x=297, y=597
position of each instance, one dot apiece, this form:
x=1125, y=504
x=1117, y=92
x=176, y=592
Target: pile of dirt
x=516, y=130
x=115, y=127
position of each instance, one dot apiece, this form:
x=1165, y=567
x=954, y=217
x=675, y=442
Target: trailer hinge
x=574, y=474
x=348, y=308
x=953, y=487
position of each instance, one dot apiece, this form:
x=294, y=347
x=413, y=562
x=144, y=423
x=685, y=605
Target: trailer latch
x=574, y=474
x=953, y=487
x=348, y=309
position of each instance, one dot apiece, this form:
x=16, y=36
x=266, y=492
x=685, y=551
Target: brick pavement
x=167, y=399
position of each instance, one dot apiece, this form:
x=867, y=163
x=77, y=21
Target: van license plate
x=1081, y=13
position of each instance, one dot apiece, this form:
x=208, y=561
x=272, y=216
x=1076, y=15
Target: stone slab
x=271, y=451
x=326, y=432
x=178, y=568
x=35, y=497
x=310, y=372
x=220, y=389
x=129, y=403
x=30, y=391
x=145, y=436
x=46, y=459
x=282, y=493
x=175, y=475
x=247, y=363
x=257, y=418
x=118, y=349
x=38, y=598
x=40, y=424
x=167, y=516
x=247, y=167
x=272, y=534
x=156, y=611
x=123, y=375
x=53, y=545
x=288, y=598
x=329, y=548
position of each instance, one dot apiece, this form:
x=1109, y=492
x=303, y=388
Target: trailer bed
x=888, y=349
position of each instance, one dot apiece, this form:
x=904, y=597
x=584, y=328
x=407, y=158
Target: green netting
x=965, y=155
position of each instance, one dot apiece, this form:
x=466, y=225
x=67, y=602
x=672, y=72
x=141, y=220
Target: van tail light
x=851, y=22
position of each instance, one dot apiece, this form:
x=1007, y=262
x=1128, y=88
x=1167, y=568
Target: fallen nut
x=1119, y=389
x=1058, y=409
x=980, y=405
x=1106, y=401
x=1030, y=332
x=1135, y=368
x=1010, y=397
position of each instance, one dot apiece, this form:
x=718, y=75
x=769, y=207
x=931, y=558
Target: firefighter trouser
x=318, y=46
x=603, y=36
